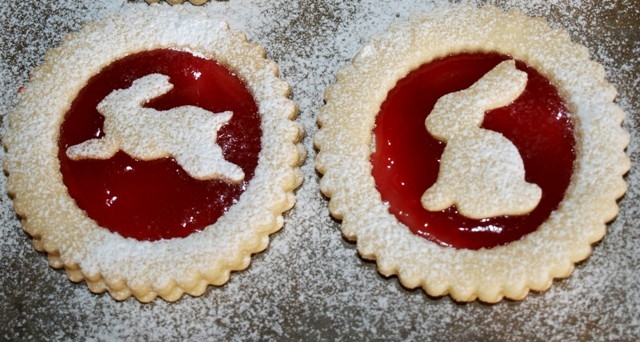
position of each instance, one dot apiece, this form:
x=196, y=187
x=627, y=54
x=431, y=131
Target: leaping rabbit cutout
x=481, y=171
x=186, y=133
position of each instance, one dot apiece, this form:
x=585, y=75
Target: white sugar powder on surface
x=310, y=283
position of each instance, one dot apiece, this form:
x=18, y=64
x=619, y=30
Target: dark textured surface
x=310, y=283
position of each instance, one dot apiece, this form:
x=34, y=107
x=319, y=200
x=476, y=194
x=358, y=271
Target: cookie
x=153, y=153
x=473, y=152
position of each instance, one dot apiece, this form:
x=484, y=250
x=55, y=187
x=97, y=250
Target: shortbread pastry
x=473, y=152
x=153, y=153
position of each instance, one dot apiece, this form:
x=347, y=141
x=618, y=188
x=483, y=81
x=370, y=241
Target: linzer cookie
x=473, y=152
x=153, y=152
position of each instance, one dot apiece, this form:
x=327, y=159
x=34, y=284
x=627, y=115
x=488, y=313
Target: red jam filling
x=406, y=160
x=157, y=199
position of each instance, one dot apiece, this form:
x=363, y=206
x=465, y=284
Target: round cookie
x=41, y=165
x=349, y=142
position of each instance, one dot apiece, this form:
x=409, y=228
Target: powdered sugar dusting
x=309, y=283
x=481, y=189
x=511, y=270
x=166, y=268
x=186, y=133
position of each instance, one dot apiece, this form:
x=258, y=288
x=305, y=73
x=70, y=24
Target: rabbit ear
x=464, y=110
x=140, y=92
x=499, y=87
x=149, y=87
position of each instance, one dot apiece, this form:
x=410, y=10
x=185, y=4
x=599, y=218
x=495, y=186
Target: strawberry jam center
x=157, y=199
x=406, y=160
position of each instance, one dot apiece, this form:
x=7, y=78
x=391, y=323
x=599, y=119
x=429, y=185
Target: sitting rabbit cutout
x=481, y=171
x=186, y=133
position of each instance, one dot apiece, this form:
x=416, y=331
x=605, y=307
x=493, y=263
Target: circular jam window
x=157, y=199
x=406, y=158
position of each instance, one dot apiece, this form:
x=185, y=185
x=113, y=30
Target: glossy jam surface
x=406, y=160
x=157, y=199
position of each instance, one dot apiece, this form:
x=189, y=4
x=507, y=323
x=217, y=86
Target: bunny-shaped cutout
x=481, y=171
x=186, y=133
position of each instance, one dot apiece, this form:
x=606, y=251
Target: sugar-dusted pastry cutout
x=169, y=267
x=186, y=133
x=481, y=171
x=346, y=144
